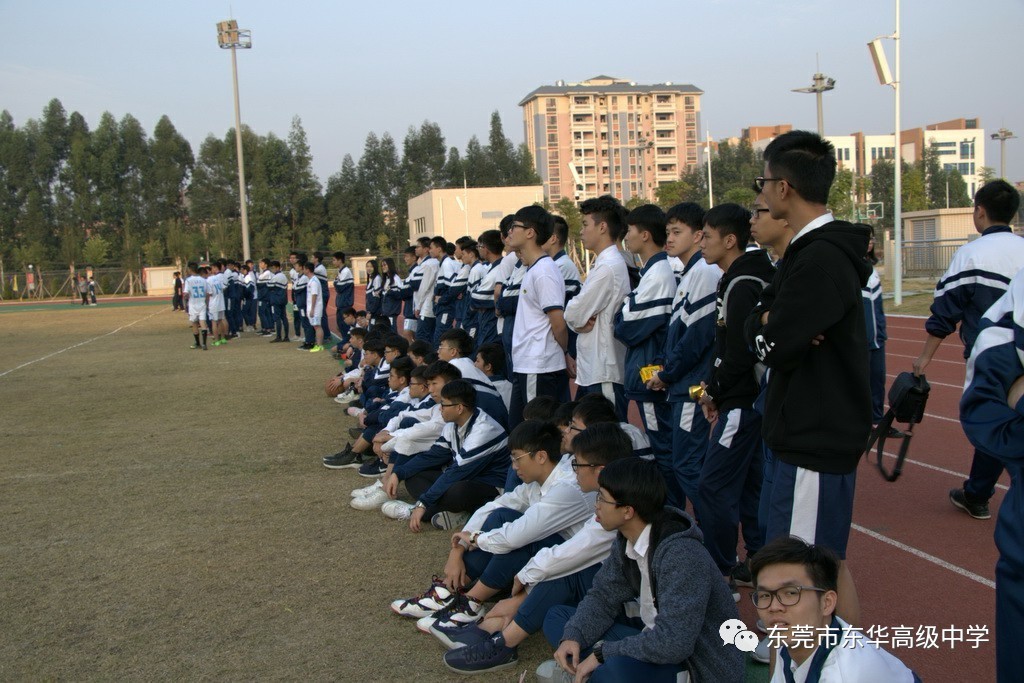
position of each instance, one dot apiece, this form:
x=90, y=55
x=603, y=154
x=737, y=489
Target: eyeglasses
x=787, y=596
x=573, y=428
x=448, y=405
x=517, y=458
x=757, y=211
x=760, y=180
x=601, y=499
x=576, y=464
x=417, y=384
x=514, y=226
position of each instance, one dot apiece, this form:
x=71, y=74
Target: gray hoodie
x=691, y=597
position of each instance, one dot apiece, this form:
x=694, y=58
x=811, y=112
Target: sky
x=350, y=68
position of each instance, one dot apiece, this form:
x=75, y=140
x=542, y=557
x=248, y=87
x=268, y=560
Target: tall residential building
x=611, y=136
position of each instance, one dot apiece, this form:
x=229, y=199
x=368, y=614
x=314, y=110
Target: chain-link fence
x=63, y=284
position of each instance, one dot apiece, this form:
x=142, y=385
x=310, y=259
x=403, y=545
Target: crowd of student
x=751, y=343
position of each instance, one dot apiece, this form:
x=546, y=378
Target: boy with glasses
x=795, y=595
x=657, y=560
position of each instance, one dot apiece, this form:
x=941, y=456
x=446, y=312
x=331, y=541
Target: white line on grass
x=925, y=556
x=75, y=346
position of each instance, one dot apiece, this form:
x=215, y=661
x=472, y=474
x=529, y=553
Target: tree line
x=116, y=194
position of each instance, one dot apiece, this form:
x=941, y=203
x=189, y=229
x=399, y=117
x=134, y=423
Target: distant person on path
x=177, y=302
x=83, y=289
x=92, y=291
x=979, y=273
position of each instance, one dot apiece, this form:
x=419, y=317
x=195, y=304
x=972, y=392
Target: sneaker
x=762, y=653
x=463, y=610
x=976, y=510
x=489, y=655
x=448, y=521
x=354, y=412
x=316, y=349
x=195, y=347
x=367, y=490
x=397, y=509
x=371, y=501
x=346, y=460
x=453, y=637
x=741, y=574
x=434, y=599
x=371, y=469
x=550, y=672
x=346, y=397
x=277, y=340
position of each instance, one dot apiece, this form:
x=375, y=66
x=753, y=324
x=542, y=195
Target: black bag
x=908, y=397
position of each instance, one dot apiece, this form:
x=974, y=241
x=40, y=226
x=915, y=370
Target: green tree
x=691, y=187
x=840, y=195
x=96, y=250
x=154, y=251
x=744, y=196
x=985, y=174
x=172, y=163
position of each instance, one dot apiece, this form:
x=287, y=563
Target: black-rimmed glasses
x=576, y=464
x=787, y=596
x=760, y=180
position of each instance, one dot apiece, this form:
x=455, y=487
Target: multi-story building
x=452, y=213
x=611, y=136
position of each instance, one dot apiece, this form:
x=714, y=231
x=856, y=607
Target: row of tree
x=75, y=195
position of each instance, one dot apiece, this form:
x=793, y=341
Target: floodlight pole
x=1002, y=135
x=897, y=218
x=707, y=148
x=230, y=37
x=820, y=84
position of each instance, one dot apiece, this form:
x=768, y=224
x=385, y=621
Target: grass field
x=165, y=514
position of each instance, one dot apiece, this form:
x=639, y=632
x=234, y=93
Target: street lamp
x=819, y=84
x=886, y=78
x=229, y=37
x=1002, y=135
x=643, y=144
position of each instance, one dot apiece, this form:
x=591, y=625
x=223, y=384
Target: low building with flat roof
x=455, y=212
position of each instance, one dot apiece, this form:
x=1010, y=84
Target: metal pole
x=241, y=162
x=819, y=81
x=898, y=181
x=707, y=148
x=1002, y=157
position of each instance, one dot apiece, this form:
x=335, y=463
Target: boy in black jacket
x=730, y=480
x=818, y=401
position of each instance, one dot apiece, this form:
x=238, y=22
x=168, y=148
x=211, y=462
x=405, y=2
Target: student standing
x=314, y=307
x=482, y=296
x=591, y=313
x=177, y=302
x=197, y=298
x=344, y=291
x=423, y=299
x=277, y=289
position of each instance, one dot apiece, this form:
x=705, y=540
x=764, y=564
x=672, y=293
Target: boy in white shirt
x=314, y=306
x=600, y=357
x=197, y=298
x=795, y=596
x=217, y=307
x=540, y=337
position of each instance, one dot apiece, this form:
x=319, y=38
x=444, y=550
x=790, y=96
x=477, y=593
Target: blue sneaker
x=458, y=635
x=488, y=655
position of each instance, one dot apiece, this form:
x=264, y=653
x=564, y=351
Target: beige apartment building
x=611, y=136
x=455, y=212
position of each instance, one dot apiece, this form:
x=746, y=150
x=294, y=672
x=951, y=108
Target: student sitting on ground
x=416, y=431
x=594, y=408
x=658, y=560
x=459, y=473
x=795, y=595
x=558, y=575
x=504, y=534
x=490, y=359
x=456, y=347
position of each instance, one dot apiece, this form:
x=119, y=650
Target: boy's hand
x=586, y=668
x=567, y=654
x=655, y=383
x=416, y=518
x=1016, y=392
x=455, y=576
x=391, y=486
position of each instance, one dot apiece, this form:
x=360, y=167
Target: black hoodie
x=733, y=382
x=818, y=403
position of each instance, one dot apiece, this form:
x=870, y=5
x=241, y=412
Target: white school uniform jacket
x=556, y=506
x=587, y=548
x=419, y=437
x=198, y=288
x=216, y=284
x=423, y=297
x=534, y=349
x=250, y=279
x=600, y=357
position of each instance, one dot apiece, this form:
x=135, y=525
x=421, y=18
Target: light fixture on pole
x=707, y=150
x=820, y=83
x=229, y=37
x=1002, y=135
x=643, y=144
x=885, y=77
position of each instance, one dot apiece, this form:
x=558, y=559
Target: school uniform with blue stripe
x=874, y=322
x=481, y=302
x=508, y=304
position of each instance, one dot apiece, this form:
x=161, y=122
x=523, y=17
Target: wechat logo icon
x=734, y=632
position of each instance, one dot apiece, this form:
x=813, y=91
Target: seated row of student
x=556, y=575
x=498, y=540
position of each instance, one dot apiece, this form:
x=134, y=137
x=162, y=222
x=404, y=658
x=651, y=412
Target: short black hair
x=806, y=161
x=563, y=414
x=1000, y=200
x=493, y=354
x=440, y=368
x=603, y=443
x=439, y=241
x=594, y=408
x=275, y=264
x=540, y=408
x=374, y=346
x=308, y=265
x=340, y=255
x=449, y=248
x=535, y=435
x=403, y=366
x=459, y=339
x=349, y=311
x=821, y=563
x=492, y=240
x=419, y=348
x=651, y=218
x=357, y=332
x=423, y=241
x=192, y=266
x=730, y=219
x=465, y=241
x=460, y=391
x=561, y=229
x=411, y=250
x=607, y=209
x=537, y=218
x=637, y=483
x=397, y=342
x=687, y=213
x=505, y=223
x=419, y=371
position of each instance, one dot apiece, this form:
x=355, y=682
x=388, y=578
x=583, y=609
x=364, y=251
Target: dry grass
x=165, y=514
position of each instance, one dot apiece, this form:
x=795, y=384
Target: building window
x=552, y=138
x=552, y=120
x=688, y=101
x=967, y=149
x=551, y=103
x=581, y=100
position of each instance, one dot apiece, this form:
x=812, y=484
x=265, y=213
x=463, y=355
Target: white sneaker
x=354, y=412
x=435, y=599
x=371, y=501
x=762, y=653
x=365, y=490
x=449, y=520
x=346, y=397
x=550, y=672
x=397, y=509
x=462, y=611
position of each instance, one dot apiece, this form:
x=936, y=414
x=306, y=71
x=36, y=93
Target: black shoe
x=346, y=460
x=286, y=338
x=355, y=432
x=371, y=469
x=277, y=340
x=204, y=348
x=894, y=433
x=741, y=574
x=976, y=510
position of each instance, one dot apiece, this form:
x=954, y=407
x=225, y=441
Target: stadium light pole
x=887, y=78
x=1002, y=135
x=230, y=37
x=820, y=83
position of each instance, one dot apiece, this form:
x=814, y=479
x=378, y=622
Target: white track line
x=958, y=387
x=925, y=556
x=75, y=346
x=952, y=473
x=903, y=315
x=934, y=360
